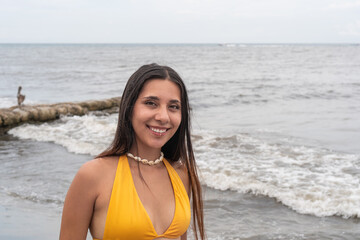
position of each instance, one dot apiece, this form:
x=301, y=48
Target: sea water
x=276, y=130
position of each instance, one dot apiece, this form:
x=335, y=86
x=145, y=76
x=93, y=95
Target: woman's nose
x=162, y=115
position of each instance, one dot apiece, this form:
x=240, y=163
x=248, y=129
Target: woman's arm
x=79, y=204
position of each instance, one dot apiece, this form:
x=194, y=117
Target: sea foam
x=89, y=134
x=309, y=180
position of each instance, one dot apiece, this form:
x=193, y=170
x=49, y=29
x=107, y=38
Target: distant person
x=139, y=188
x=20, y=97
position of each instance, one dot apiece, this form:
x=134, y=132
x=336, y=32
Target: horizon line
x=187, y=43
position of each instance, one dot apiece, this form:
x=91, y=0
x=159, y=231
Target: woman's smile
x=151, y=156
x=158, y=131
x=157, y=114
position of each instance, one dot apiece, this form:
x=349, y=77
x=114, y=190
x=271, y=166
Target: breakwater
x=14, y=116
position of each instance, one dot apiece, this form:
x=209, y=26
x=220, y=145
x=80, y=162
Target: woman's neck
x=150, y=154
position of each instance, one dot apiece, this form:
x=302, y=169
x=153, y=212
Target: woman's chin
x=155, y=145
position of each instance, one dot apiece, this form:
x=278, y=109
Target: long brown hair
x=178, y=148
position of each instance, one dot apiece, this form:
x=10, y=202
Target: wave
x=306, y=179
x=88, y=134
x=32, y=196
x=309, y=180
x=327, y=95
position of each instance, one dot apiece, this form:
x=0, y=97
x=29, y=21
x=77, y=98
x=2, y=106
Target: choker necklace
x=145, y=161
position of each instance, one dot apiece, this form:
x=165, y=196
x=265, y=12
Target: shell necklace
x=145, y=161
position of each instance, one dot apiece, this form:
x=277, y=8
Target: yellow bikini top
x=127, y=218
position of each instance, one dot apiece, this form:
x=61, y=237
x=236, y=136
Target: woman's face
x=157, y=114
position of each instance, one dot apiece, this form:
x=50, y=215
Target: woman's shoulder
x=179, y=166
x=100, y=163
x=97, y=168
x=182, y=171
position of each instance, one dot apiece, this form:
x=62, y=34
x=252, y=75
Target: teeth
x=158, y=130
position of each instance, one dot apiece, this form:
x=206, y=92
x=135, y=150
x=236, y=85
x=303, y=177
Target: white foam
x=88, y=134
x=308, y=180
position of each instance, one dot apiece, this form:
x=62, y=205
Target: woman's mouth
x=158, y=131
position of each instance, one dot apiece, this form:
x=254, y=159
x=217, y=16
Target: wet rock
x=11, y=117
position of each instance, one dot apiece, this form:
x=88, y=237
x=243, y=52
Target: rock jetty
x=14, y=116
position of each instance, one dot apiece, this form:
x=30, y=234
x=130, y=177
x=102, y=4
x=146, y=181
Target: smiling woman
x=156, y=115
x=139, y=188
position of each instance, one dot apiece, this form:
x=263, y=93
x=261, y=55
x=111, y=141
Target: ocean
x=275, y=128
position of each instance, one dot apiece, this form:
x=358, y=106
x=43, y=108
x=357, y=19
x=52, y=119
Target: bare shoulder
x=98, y=165
x=93, y=172
x=182, y=171
x=82, y=197
x=180, y=166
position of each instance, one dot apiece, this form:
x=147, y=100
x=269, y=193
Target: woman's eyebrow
x=151, y=98
x=174, y=101
x=157, y=99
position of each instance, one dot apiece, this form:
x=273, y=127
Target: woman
x=139, y=188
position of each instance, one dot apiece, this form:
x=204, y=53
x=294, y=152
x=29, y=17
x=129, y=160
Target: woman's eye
x=175, y=107
x=150, y=103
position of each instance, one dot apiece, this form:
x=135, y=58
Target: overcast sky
x=179, y=21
